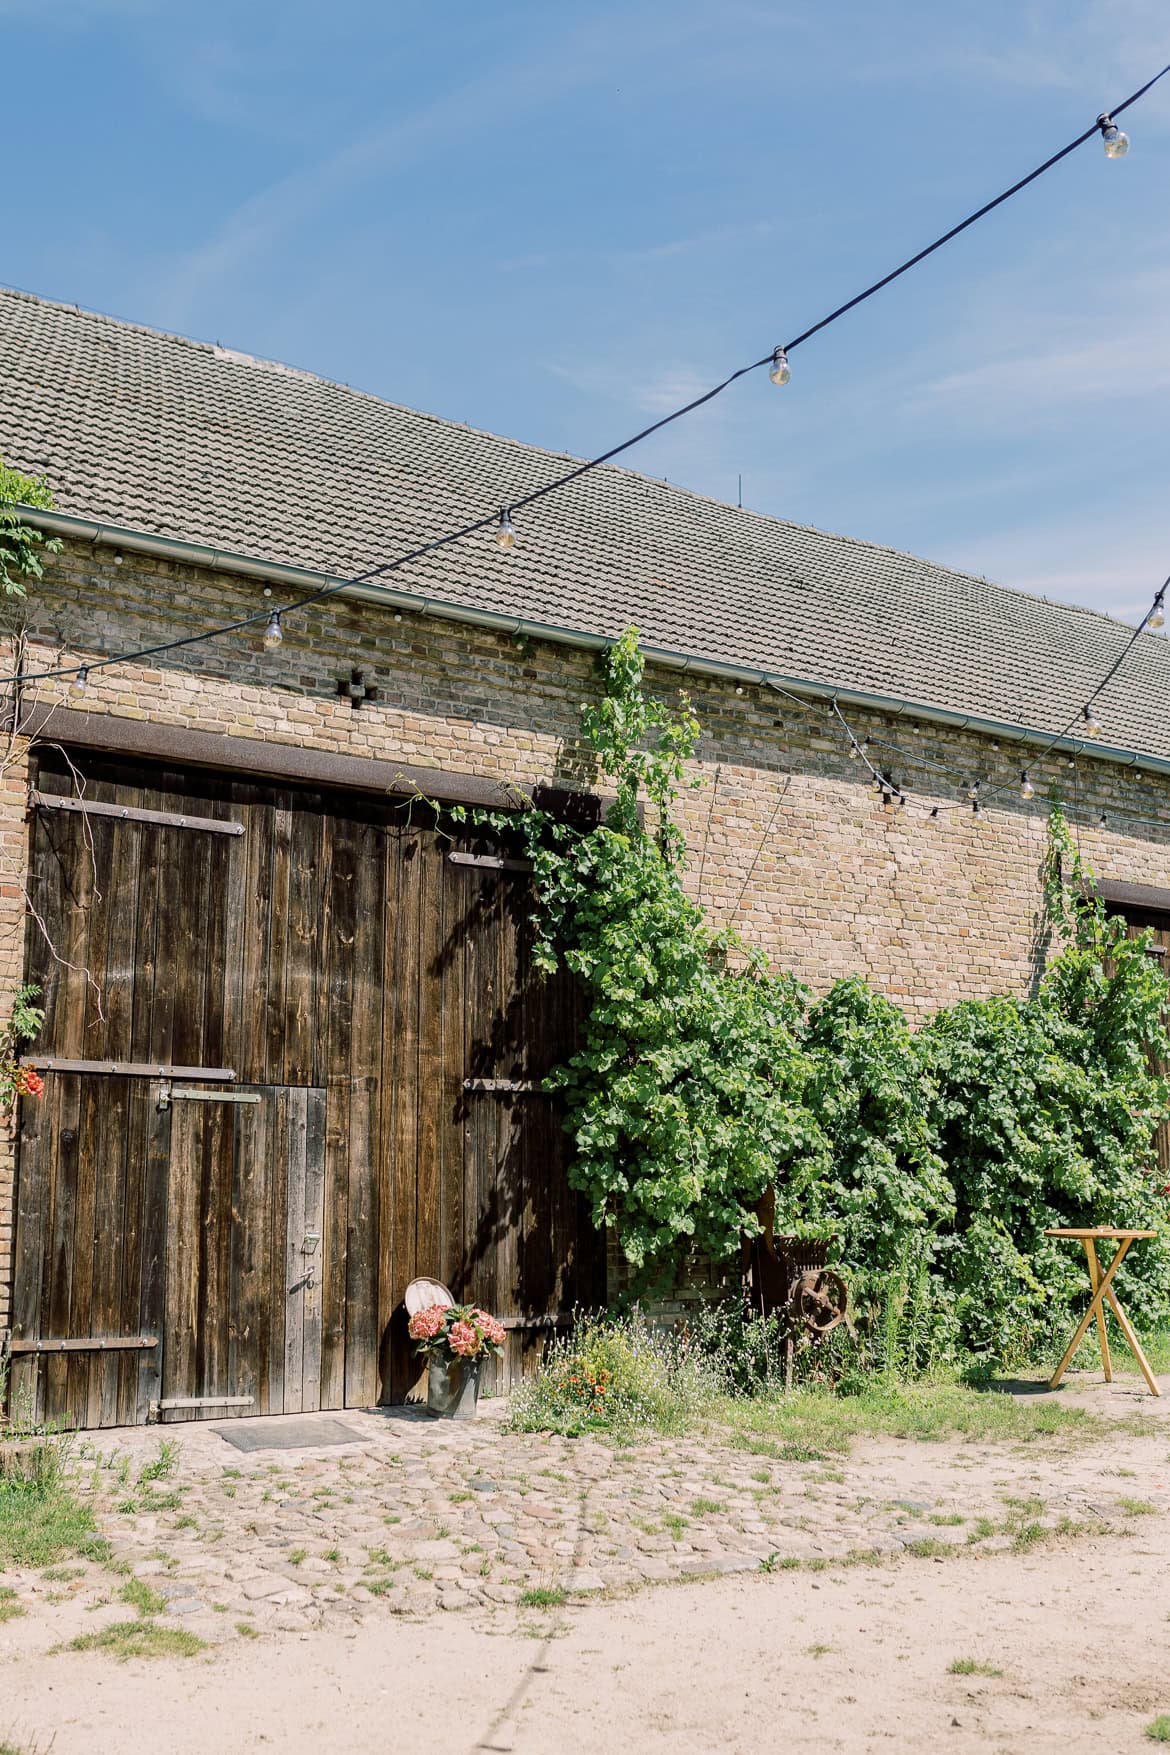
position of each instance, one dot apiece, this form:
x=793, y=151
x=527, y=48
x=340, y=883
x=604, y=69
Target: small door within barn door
x=91, y=1201
x=242, y=1324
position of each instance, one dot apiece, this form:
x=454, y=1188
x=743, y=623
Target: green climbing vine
x=21, y=545
x=937, y=1157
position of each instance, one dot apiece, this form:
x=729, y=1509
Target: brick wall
x=788, y=841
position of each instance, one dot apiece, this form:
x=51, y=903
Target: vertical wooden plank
x=404, y=884
x=428, y=1236
x=153, y=1259
x=362, y=1325
x=250, y=1010
x=181, y=1297
x=295, y=1261
x=305, y=937
x=109, y=1247
x=279, y=949
x=314, y=1222
x=338, y=1057
x=223, y=1123
x=452, y=1002
x=78, y=1318
x=250, y=1290
x=276, y=1267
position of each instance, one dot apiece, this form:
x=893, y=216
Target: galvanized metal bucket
x=453, y=1389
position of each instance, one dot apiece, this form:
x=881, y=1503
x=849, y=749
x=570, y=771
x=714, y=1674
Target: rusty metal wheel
x=817, y=1301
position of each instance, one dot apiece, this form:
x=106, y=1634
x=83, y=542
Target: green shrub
x=617, y=1375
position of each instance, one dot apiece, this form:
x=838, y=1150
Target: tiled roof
x=191, y=441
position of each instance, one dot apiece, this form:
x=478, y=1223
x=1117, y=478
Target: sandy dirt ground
x=1075, y=1632
x=856, y=1660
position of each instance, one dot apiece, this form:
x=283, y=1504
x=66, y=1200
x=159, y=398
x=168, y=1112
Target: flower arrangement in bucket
x=455, y=1339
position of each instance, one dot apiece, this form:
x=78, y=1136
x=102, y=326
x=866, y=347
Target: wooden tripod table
x=1102, y=1284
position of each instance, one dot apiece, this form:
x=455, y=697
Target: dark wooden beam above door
x=157, y=741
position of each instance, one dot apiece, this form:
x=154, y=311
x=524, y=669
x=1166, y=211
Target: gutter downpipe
x=222, y=560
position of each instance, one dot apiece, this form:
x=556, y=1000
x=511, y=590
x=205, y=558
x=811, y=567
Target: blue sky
x=555, y=222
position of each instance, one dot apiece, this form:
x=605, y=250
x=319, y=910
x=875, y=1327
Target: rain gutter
x=196, y=554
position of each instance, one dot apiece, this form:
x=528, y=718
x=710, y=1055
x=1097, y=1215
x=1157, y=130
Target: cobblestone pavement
x=418, y=1516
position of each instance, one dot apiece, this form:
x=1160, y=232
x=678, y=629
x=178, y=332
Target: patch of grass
x=971, y=1667
x=1158, y=1729
x=139, y=1595
x=379, y=1587
x=674, y=1523
x=543, y=1596
x=944, y=1517
x=186, y=1522
x=41, y=1522
x=10, y=1608
x=1137, y=1507
x=131, y=1639
x=705, y=1507
x=930, y=1548
x=164, y=1464
x=459, y=1498
x=333, y=1555
x=296, y=1556
x=807, y=1424
x=60, y=1574
x=779, y=1563
x=246, y=1630
x=817, y=1651
x=422, y=1572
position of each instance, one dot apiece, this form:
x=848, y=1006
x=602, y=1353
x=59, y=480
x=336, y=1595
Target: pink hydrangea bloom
x=492, y=1328
x=424, y=1325
x=463, y=1339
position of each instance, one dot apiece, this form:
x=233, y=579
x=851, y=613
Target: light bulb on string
x=973, y=792
x=273, y=633
x=1092, y=723
x=1102, y=821
x=1115, y=142
x=779, y=371
x=1157, y=615
x=78, y=681
x=1027, y=790
x=934, y=812
x=506, y=530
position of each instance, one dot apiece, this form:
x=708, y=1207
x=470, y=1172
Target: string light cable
x=977, y=794
x=776, y=360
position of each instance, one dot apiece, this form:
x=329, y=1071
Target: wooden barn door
x=296, y=1049
x=241, y=1332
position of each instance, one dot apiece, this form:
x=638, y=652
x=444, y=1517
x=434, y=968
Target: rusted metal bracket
x=90, y=1344
x=491, y=862
x=524, y=1087
x=135, y=1069
x=165, y=819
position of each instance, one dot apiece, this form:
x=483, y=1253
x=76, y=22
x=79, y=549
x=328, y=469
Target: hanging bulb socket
x=505, y=529
x=1092, y=723
x=779, y=371
x=273, y=633
x=973, y=792
x=1103, y=821
x=1157, y=615
x=78, y=682
x=934, y=813
x=1027, y=790
x=1115, y=142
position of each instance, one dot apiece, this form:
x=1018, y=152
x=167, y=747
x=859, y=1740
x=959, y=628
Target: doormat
x=286, y=1433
